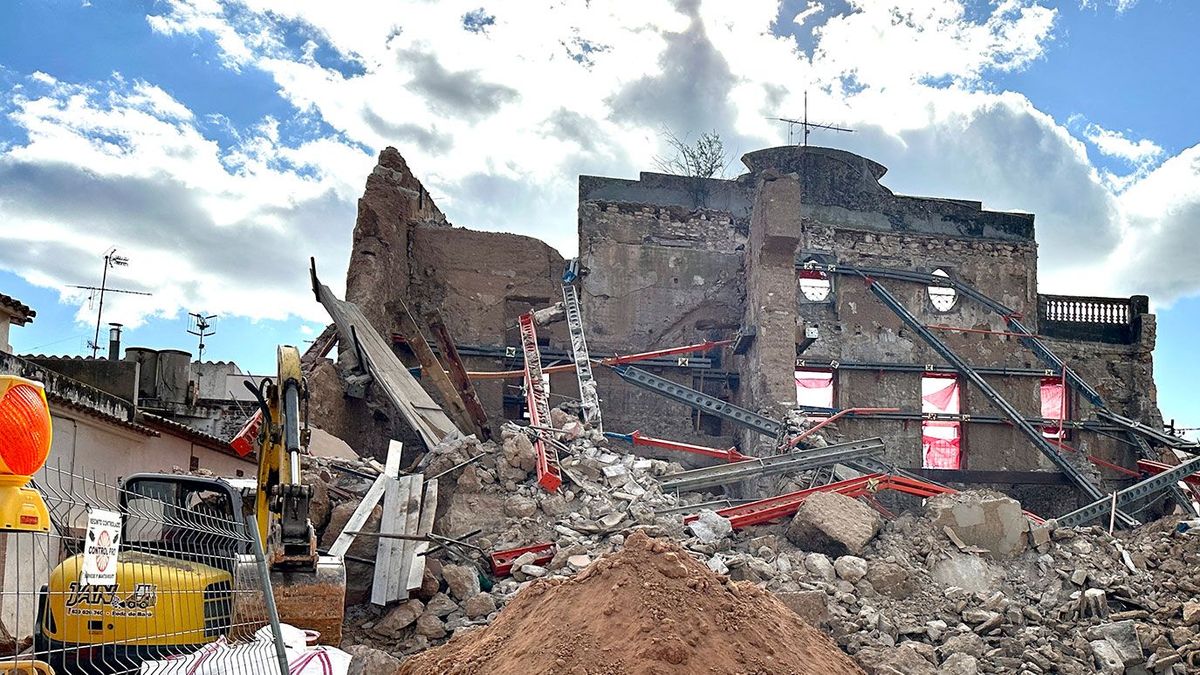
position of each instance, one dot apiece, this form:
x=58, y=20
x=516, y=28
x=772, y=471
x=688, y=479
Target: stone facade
x=799, y=204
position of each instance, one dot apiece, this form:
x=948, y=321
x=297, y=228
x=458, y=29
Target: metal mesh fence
x=157, y=574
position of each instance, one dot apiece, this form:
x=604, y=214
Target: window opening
x=942, y=297
x=941, y=440
x=1054, y=407
x=814, y=388
x=815, y=285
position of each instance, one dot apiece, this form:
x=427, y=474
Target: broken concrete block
x=710, y=527
x=1123, y=637
x=441, y=605
x=959, y=664
x=808, y=605
x=519, y=453
x=367, y=661
x=578, y=562
x=902, y=660
x=480, y=606
x=963, y=643
x=991, y=522
x=462, y=580
x=1191, y=613
x=831, y=523
x=1106, y=657
x=399, y=617
x=1093, y=602
x=965, y=571
x=891, y=580
x=472, y=511
x=534, y=571
x=851, y=568
x=819, y=565
x=519, y=506
x=431, y=626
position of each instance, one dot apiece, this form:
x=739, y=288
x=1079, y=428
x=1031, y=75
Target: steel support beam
x=1146, y=488
x=698, y=400
x=797, y=460
x=1156, y=435
x=1018, y=420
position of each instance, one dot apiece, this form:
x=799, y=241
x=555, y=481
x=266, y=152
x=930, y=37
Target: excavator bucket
x=313, y=601
x=305, y=600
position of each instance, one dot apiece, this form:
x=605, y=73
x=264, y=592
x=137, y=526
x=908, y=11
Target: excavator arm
x=309, y=589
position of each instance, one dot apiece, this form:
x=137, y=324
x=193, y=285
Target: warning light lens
x=25, y=427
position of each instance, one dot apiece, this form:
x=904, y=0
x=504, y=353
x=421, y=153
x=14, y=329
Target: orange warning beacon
x=25, y=433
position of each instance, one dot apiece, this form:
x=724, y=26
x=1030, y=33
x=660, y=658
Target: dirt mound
x=648, y=609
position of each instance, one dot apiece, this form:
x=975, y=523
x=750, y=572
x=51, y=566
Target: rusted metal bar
x=834, y=417
x=458, y=372
x=431, y=368
x=636, y=438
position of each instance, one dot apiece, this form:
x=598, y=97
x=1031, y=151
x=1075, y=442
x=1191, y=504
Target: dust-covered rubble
x=962, y=584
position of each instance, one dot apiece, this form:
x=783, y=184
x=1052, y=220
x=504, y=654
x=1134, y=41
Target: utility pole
x=111, y=259
x=200, y=324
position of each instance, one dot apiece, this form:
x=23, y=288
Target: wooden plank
x=458, y=372
x=388, y=552
x=398, y=582
x=392, y=465
x=363, y=511
x=431, y=369
x=416, y=570
x=400, y=387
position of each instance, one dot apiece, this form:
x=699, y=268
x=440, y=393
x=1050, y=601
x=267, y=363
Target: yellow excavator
x=187, y=573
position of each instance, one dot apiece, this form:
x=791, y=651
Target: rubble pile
x=964, y=584
x=926, y=596
x=650, y=608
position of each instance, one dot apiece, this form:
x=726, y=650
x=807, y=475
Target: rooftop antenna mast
x=807, y=126
x=111, y=259
x=200, y=325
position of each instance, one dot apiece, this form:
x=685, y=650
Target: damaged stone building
x=764, y=260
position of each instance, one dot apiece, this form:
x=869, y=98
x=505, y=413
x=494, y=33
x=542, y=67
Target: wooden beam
x=416, y=570
x=458, y=372
x=431, y=370
x=389, y=553
x=421, y=412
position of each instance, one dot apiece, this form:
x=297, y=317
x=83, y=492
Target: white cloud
x=499, y=122
x=1121, y=5
x=124, y=164
x=1117, y=144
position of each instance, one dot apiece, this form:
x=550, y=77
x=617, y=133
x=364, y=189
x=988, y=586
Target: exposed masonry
x=670, y=260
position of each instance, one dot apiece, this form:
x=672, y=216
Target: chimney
x=114, y=342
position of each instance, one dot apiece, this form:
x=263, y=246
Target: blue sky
x=218, y=145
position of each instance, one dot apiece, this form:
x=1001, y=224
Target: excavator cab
x=184, y=517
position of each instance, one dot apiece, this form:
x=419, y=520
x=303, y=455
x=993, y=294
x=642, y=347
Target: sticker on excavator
x=93, y=600
x=100, y=548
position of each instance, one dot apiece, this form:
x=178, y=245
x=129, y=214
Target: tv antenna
x=199, y=327
x=807, y=126
x=111, y=259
